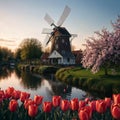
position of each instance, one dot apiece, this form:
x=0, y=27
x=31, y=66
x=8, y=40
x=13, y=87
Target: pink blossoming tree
x=103, y=50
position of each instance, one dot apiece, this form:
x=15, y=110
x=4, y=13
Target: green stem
x=11, y=116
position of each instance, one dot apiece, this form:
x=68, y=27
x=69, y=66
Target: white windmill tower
x=60, y=40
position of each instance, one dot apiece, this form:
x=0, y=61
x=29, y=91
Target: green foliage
x=30, y=49
x=17, y=54
x=84, y=79
x=5, y=54
x=47, y=69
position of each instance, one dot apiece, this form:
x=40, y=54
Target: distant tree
x=5, y=54
x=31, y=49
x=17, y=54
x=103, y=50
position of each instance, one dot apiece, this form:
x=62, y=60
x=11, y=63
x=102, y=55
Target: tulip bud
x=32, y=110
x=87, y=100
x=92, y=104
x=16, y=94
x=47, y=106
x=108, y=102
x=38, y=99
x=74, y=104
x=9, y=92
x=115, y=111
x=13, y=105
x=24, y=96
x=101, y=106
x=28, y=102
x=56, y=101
x=65, y=105
x=85, y=113
x=116, y=98
x=82, y=103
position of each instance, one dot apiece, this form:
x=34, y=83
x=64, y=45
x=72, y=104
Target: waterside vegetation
x=84, y=79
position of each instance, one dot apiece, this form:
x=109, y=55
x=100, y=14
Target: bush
x=81, y=81
x=75, y=81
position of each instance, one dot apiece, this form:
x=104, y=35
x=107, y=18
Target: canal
x=38, y=85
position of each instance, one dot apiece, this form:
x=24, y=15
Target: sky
x=20, y=19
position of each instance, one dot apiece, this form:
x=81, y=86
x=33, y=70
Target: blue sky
x=21, y=19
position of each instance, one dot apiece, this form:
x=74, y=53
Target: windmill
x=60, y=40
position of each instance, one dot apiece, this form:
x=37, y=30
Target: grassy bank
x=40, y=69
x=44, y=69
x=84, y=79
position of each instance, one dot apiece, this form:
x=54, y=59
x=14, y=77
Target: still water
x=39, y=85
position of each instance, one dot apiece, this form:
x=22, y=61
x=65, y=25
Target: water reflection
x=38, y=85
x=4, y=73
x=29, y=81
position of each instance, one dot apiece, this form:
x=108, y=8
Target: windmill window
x=63, y=41
x=56, y=46
x=68, y=59
x=63, y=51
x=57, y=38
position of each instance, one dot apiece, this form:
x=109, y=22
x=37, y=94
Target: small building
x=78, y=56
x=66, y=58
x=44, y=58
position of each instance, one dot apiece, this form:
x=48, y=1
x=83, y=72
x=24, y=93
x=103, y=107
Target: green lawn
x=83, y=78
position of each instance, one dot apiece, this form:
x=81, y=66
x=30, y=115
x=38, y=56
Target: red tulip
x=101, y=106
x=1, y=99
x=108, y=102
x=65, y=105
x=85, y=113
x=28, y=102
x=13, y=104
x=47, y=106
x=115, y=111
x=16, y=94
x=87, y=100
x=56, y=101
x=38, y=99
x=74, y=104
x=2, y=95
x=24, y=96
x=92, y=104
x=82, y=103
x=9, y=92
x=116, y=98
x=32, y=110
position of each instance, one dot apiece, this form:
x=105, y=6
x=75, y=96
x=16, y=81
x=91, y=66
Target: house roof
x=55, y=54
x=44, y=56
x=63, y=31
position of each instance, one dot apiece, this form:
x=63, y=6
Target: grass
x=83, y=78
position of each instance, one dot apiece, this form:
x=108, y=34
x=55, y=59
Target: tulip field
x=17, y=105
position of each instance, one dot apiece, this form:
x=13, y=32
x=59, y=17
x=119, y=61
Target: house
x=44, y=58
x=78, y=56
x=66, y=58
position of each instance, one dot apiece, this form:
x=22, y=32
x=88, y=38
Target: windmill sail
x=49, y=20
x=64, y=16
x=46, y=31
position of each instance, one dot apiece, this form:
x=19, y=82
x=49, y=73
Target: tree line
x=30, y=49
